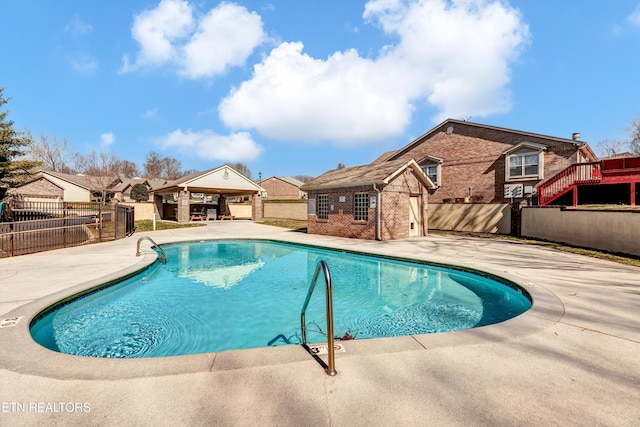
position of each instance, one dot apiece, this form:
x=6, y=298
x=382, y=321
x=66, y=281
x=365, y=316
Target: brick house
x=380, y=201
x=52, y=186
x=122, y=191
x=471, y=162
x=283, y=187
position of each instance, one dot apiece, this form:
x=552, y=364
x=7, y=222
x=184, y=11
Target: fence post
x=116, y=217
x=11, y=245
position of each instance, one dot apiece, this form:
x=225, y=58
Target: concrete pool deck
x=573, y=359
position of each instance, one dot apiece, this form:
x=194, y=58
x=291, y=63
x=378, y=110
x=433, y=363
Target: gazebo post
x=184, y=197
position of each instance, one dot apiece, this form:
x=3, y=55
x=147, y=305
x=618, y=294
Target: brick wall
x=40, y=188
x=472, y=159
x=394, y=206
x=278, y=189
x=341, y=221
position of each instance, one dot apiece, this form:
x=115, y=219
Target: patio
x=571, y=360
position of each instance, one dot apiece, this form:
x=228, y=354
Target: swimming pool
x=233, y=294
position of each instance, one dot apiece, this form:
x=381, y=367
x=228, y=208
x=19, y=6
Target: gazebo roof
x=221, y=180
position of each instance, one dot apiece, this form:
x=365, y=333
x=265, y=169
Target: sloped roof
x=384, y=156
x=87, y=182
x=583, y=146
x=223, y=179
x=287, y=179
x=151, y=183
x=292, y=181
x=379, y=174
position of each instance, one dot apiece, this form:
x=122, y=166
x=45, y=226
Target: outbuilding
x=382, y=201
x=189, y=195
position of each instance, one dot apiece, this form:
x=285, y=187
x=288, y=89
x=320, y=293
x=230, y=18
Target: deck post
x=633, y=194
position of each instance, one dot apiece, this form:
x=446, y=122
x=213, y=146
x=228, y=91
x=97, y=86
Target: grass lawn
x=298, y=225
x=621, y=258
x=147, y=225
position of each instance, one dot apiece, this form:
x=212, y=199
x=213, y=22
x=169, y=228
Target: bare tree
x=101, y=170
x=153, y=167
x=127, y=169
x=51, y=152
x=634, y=135
x=241, y=168
x=96, y=164
x=303, y=178
x=158, y=166
x=171, y=168
x=612, y=148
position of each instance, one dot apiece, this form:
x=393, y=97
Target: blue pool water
x=221, y=295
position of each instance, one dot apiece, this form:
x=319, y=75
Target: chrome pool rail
x=329, y=368
x=163, y=258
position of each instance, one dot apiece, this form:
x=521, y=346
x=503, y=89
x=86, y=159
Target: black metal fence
x=43, y=226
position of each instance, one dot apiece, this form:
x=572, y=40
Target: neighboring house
x=471, y=162
x=380, y=201
x=122, y=191
x=283, y=187
x=57, y=187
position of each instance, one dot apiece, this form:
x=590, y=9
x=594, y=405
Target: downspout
x=378, y=212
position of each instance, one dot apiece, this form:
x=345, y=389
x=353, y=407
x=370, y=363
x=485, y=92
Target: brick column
x=183, y=206
x=257, y=208
x=159, y=207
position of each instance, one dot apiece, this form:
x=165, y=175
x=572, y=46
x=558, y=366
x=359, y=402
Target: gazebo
x=223, y=181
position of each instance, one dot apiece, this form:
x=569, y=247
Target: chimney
x=575, y=136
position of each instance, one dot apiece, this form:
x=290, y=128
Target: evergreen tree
x=139, y=193
x=13, y=144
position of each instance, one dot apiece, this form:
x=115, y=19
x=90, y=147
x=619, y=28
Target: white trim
x=533, y=145
x=533, y=151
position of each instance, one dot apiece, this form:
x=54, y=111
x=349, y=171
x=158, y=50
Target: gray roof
x=357, y=176
x=152, y=183
x=580, y=144
x=85, y=181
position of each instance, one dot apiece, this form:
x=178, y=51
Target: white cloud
x=106, y=140
x=150, y=114
x=455, y=55
x=83, y=63
x=77, y=27
x=208, y=145
x=225, y=37
x=199, y=47
x=294, y=96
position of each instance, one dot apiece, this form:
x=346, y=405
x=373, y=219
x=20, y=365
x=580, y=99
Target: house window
x=432, y=172
x=361, y=206
x=323, y=206
x=525, y=162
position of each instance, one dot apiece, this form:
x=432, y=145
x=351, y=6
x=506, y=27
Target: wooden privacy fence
x=30, y=236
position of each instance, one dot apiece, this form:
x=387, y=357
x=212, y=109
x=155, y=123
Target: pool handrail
x=163, y=258
x=329, y=368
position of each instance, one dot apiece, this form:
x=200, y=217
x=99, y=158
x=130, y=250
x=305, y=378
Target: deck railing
x=579, y=173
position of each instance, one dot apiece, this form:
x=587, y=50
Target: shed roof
x=357, y=176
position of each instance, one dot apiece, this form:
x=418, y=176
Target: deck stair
x=568, y=179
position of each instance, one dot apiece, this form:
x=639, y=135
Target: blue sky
x=296, y=87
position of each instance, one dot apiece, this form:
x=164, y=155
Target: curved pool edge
x=20, y=353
